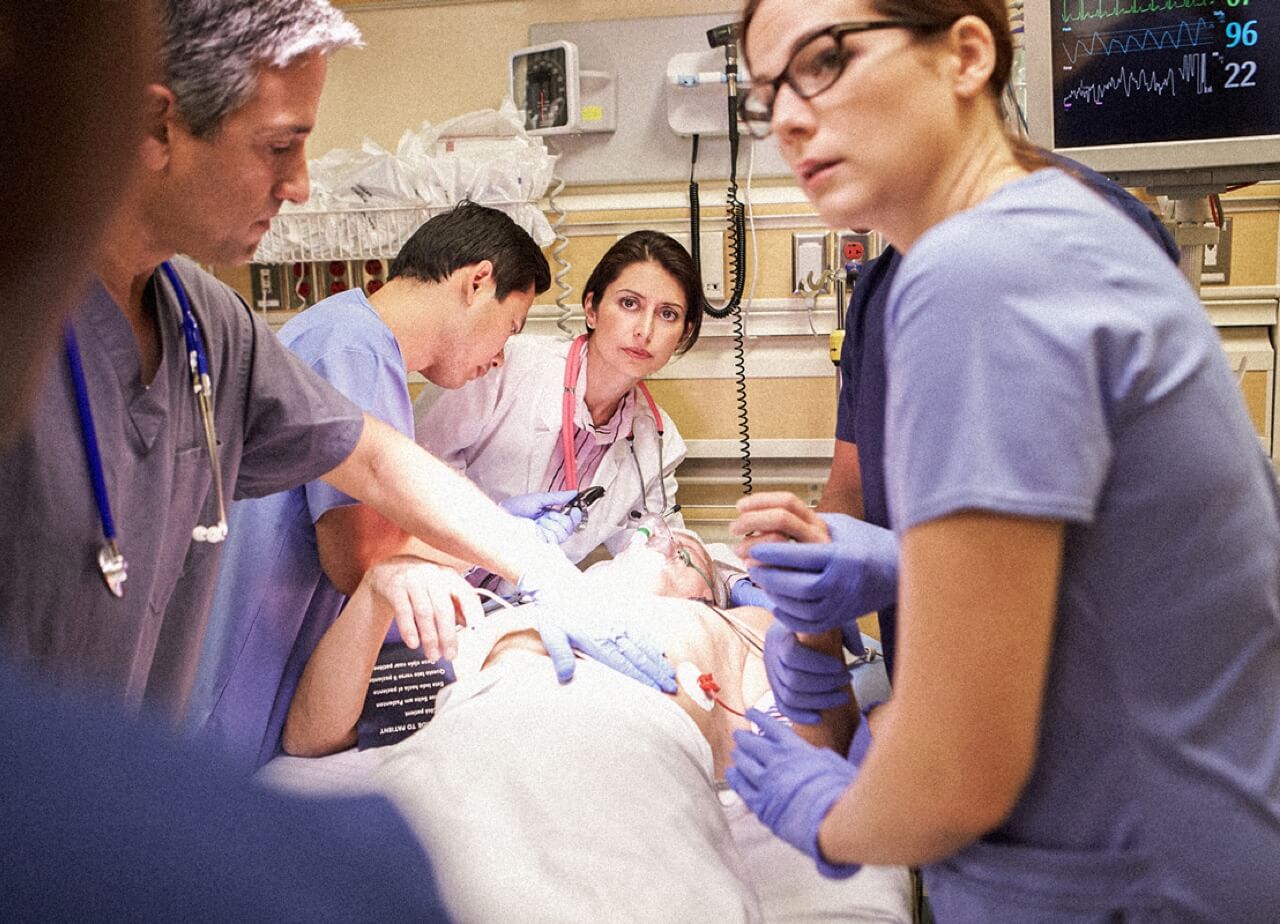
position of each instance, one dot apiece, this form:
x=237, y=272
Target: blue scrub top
x=273, y=601
x=1083, y=382
x=864, y=379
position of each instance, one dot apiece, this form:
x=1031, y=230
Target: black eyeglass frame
x=760, y=123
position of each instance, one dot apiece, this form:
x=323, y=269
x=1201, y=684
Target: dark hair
x=667, y=252
x=935, y=17
x=467, y=234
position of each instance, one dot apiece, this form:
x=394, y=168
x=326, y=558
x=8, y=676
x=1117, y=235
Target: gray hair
x=213, y=49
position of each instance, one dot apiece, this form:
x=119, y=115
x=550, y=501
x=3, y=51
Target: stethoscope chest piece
x=115, y=570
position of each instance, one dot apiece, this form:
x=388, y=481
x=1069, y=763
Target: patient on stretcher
x=591, y=800
x=669, y=598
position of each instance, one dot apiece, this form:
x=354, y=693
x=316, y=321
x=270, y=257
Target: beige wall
x=432, y=62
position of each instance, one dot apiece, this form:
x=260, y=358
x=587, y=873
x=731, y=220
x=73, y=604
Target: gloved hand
x=790, y=785
x=804, y=681
x=747, y=593
x=818, y=586
x=555, y=525
x=570, y=618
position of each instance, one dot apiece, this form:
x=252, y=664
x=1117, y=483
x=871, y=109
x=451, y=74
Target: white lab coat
x=501, y=430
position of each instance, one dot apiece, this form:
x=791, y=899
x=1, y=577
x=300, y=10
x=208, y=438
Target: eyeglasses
x=813, y=68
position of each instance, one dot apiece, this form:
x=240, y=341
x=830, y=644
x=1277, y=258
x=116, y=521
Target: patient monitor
x=1174, y=95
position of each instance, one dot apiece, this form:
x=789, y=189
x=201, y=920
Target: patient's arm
x=836, y=728
x=326, y=706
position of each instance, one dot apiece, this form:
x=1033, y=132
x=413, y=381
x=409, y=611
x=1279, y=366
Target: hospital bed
x=521, y=824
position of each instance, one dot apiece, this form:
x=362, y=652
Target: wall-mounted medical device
x=1157, y=94
x=556, y=95
x=695, y=91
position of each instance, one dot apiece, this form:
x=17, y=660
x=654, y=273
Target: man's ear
x=160, y=113
x=589, y=310
x=479, y=275
x=974, y=50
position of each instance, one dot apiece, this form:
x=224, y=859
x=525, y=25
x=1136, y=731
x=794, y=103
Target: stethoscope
x=112, y=564
x=572, y=364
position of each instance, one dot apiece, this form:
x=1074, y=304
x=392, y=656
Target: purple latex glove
x=818, y=586
x=790, y=785
x=543, y=508
x=747, y=593
x=569, y=620
x=803, y=681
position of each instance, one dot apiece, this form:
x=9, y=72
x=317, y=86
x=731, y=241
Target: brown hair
x=664, y=250
x=935, y=16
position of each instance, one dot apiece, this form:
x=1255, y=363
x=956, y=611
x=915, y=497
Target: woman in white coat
x=508, y=431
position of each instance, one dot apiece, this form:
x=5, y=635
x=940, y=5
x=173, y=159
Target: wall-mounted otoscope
x=726, y=37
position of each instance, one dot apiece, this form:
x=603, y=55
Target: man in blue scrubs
x=293, y=557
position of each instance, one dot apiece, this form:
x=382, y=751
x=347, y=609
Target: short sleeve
x=995, y=399
x=297, y=426
x=375, y=381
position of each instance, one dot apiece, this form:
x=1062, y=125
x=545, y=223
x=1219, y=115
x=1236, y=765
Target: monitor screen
x=1153, y=91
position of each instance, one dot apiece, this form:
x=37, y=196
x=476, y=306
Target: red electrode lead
x=709, y=686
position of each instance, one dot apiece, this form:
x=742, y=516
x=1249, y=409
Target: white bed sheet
x=521, y=824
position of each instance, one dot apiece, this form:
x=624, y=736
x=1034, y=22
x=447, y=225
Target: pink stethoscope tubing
x=572, y=364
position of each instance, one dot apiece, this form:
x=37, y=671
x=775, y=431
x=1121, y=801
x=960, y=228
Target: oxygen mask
x=653, y=533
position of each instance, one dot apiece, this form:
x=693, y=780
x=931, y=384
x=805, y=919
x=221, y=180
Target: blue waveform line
x=1125, y=41
x=1141, y=80
x=1082, y=9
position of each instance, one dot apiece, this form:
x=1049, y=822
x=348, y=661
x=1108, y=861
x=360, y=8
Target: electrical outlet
x=267, y=281
x=856, y=247
x=809, y=263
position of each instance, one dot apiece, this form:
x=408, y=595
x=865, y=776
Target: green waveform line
x=1082, y=10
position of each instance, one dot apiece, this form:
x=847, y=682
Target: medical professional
x=811, y=576
x=102, y=815
x=564, y=416
x=114, y=496
x=459, y=287
x=1072, y=479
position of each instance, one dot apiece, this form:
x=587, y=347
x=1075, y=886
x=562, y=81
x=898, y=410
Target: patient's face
x=689, y=574
x=686, y=574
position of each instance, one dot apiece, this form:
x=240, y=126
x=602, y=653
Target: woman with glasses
x=1084, y=722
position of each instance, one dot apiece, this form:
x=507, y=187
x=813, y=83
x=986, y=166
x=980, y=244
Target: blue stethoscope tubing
x=110, y=561
x=202, y=385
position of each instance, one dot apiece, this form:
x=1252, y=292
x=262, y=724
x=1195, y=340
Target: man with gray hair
x=103, y=816
x=114, y=495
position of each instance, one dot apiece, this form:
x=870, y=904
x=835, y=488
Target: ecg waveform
x=1081, y=10
x=1125, y=41
x=1140, y=80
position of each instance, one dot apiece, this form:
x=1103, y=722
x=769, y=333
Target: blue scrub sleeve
x=297, y=425
x=995, y=400
x=376, y=383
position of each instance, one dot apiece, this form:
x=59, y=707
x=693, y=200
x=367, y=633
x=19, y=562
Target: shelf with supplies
x=309, y=255
x=349, y=234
